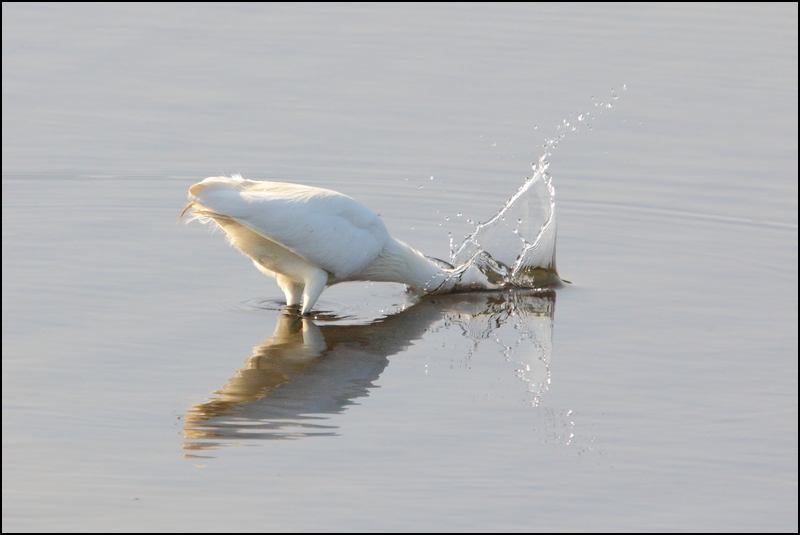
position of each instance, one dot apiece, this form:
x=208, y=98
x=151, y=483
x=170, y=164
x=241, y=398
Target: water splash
x=517, y=247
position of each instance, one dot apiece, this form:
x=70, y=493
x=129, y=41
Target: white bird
x=309, y=238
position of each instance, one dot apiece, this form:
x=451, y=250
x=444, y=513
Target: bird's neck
x=400, y=263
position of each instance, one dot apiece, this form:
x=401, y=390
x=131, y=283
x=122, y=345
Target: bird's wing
x=330, y=230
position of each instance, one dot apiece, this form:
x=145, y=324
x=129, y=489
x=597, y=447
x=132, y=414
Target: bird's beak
x=190, y=205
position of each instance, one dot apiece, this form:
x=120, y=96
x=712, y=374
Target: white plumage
x=309, y=238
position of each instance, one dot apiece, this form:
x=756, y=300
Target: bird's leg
x=291, y=289
x=315, y=280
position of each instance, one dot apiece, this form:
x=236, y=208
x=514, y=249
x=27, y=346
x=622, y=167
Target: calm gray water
x=152, y=382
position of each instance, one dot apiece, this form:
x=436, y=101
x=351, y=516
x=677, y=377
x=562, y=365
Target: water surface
x=152, y=382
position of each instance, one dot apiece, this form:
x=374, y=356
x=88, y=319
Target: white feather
x=309, y=238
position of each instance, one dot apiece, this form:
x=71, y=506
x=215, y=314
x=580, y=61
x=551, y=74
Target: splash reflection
x=304, y=373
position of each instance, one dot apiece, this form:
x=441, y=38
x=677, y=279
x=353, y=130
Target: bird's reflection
x=304, y=373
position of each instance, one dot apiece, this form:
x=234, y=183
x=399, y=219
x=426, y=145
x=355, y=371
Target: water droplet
x=624, y=87
x=447, y=218
x=494, y=143
x=420, y=186
x=458, y=214
x=580, y=117
x=431, y=177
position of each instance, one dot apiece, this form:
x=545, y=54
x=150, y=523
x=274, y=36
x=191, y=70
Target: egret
x=309, y=238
